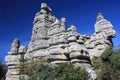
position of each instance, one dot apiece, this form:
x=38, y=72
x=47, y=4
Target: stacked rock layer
x=12, y=60
x=50, y=41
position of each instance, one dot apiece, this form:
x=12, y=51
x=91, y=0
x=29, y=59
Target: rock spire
x=12, y=60
x=50, y=41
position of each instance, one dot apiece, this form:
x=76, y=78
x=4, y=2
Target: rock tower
x=50, y=41
x=12, y=60
x=102, y=38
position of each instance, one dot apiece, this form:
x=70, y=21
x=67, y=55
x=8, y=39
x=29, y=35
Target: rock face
x=12, y=60
x=102, y=38
x=50, y=41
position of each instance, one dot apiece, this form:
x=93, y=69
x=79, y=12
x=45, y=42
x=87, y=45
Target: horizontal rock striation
x=50, y=41
x=12, y=60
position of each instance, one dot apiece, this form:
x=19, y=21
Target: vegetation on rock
x=69, y=72
x=37, y=70
x=107, y=65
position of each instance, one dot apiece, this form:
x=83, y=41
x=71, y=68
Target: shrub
x=109, y=65
x=44, y=72
x=96, y=62
x=69, y=72
x=38, y=71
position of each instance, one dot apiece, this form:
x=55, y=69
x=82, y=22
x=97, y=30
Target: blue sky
x=16, y=17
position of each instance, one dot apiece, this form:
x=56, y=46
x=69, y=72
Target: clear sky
x=16, y=17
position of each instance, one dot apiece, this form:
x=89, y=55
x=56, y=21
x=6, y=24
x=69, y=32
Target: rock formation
x=12, y=60
x=50, y=41
x=102, y=38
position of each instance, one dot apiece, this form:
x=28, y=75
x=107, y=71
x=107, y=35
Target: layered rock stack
x=102, y=38
x=78, y=53
x=12, y=60
x=38, y=47
x=50, y=41
x=58, y=47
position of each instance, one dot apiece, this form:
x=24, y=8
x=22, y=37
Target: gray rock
x=58, y=49
x=61, y=57
x=22, y=49
x=15, y=47
x=57, y=38
x=51, y=42
x=58, y=62
x=75, y=47
x=101, y=39
x=12, y=58
x=40, y=53
x=14, y=77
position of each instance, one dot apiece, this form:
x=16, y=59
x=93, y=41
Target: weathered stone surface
x=12, y=60
x=58, y=62
x=50, y=41
x=72, y=33
x=57, y=57
x=101, y=39
x=14, y=77
x=79, y=55
x=15, y=47
x=79, y=61
x=58, y=49
x=104, y=25
x=57, y=27
x=40, y=53
x=22, y=49
x=75, y=47
x=57, y=38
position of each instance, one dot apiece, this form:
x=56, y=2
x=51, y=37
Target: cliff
x=50, y=41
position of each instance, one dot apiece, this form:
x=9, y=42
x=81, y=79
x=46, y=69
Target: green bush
x=44, y=72
x=22, y=60
x=108, y=67
x=96, y=62
x=106, y=54
x=39, y=71
x=69, y=72
x=22, y=65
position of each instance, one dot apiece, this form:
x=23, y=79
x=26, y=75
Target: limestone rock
x=74, y=47
x=22, y=49
x=15, y=47
x=57, y=57
x=57, y=38
x=50, y=41
x=58, y=62
x=40, y=53
x=58, y=49
x=12, y=60
x=104, y=25
x=101, y=39
x=16, y=77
